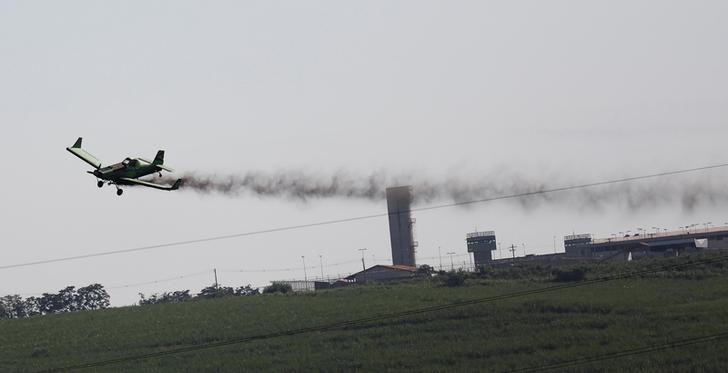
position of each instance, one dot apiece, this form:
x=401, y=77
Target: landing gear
x=100, y=183
x=119, y=192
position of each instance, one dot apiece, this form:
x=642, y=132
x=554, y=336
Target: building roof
x=720, y=231
x=400, y=268
x=480, y=234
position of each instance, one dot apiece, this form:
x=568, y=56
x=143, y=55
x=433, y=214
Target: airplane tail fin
x=159, y=159
x=77, y=144
x=176, y=184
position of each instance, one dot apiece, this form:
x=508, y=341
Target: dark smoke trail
x=303, y=186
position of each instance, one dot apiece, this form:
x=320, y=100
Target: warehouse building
x=646, y=244
x=383, y=273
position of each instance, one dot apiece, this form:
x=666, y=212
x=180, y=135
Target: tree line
x=209, y=292
x=69, y=299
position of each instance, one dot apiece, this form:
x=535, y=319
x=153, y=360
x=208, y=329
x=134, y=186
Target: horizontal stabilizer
x=129, y=181
x=84, y=155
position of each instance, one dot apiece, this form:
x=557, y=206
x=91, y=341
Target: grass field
x=501, y=335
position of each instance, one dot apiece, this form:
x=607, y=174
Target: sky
x=484, y=92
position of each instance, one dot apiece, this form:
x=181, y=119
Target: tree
x=67, y=300
x=92, y=297
x=49, y=303
x=12, y=307
x=31, y=307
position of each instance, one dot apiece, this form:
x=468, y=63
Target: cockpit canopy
x=129, y=162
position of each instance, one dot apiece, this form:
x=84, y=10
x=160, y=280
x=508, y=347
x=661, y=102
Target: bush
x=278, y=287
x=206, y=293
x=576, y=274
x=166, y=297
x=424, y=271
x=453, y=279
x=216, y=292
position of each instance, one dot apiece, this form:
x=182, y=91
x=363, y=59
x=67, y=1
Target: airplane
x=127, y=172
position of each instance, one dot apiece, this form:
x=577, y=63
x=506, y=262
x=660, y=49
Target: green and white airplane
x=127, y=172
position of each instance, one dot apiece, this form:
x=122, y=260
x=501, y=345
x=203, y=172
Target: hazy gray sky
x=555, y=91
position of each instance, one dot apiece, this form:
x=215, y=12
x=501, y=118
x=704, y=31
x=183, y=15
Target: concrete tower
x=399, y=201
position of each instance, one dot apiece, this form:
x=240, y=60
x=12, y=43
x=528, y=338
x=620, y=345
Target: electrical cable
x=196, y=274
x=389, y=316
x=358, y=218
x=627, y=352
x=291, y=269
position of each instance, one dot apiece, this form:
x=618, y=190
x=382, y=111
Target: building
x=578, y=245
x=298, y=285
x=646, y=244
x=310, y=285
x=481, y=244
x=383, y=273
x=399, y=202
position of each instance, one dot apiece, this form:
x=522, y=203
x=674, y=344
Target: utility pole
x=513, y=250
x=440, y=254
x=321, y=263
x=363, y=266
x=452, y=265
x=305, y=276
x=217, y=286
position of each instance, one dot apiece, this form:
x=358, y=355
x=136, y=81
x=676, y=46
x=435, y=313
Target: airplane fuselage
x=128, y=168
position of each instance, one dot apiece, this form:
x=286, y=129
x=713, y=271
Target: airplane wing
x=84, y=155
x=160, y=166
x=129, y=181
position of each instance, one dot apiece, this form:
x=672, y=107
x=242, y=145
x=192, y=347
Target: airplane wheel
x=119, y=192
x=100, y=184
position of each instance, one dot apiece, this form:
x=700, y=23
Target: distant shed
x=382, y=273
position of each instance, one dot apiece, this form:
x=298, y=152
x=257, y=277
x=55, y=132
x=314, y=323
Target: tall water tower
x=399, y=204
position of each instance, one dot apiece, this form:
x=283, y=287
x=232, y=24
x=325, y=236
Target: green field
x=520, y=332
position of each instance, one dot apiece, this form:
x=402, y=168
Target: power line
x=196, y=274
x=290, y=269
x=627, y=352
x=389, y=316
x=207, y=272
x=363, y=217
